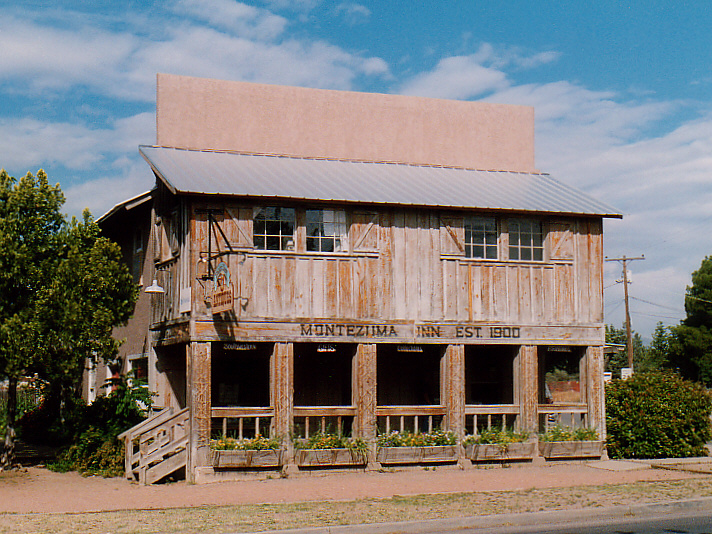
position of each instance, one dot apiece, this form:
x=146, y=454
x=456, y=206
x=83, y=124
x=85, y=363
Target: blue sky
x=621, y=92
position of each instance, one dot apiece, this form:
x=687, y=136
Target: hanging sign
x=222, y=297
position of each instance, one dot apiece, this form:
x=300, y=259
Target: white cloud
x=235, y=17
x=353, y=13
x=459, y=77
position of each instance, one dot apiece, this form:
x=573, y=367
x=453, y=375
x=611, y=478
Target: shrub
x=259, y=443
x=327, y=440
x=564, y=433
x=657, y=415
x=497, y=436
x=419, y=439
x=94, y=448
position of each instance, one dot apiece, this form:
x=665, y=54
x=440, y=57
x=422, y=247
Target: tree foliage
x=63, y=288
x=657, y=415
x=619, y=359
x=690, y=345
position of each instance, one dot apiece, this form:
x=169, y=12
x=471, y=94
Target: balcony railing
x=413, y=418
x=479, y=417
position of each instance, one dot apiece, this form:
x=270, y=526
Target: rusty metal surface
x=223, y=173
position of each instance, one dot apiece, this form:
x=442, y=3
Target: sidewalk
x=39, y=490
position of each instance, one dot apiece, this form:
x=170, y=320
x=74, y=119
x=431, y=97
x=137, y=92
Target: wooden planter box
x=488, y=452
x=571, y=449
x=417, y=455
x=248, y=459
x=328, y=457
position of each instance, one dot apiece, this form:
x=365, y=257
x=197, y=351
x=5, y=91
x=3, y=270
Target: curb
x=559, y=517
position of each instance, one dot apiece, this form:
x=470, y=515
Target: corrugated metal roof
x=226, y=173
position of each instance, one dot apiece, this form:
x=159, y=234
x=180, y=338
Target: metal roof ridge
x=344, y=160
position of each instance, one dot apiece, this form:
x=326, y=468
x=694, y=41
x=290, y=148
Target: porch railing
x=413, y=418
x=311, y=419
x=574, y=415
x=242, y=422
x=480, y=417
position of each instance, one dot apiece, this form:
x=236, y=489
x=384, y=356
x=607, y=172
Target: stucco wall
x=246, y=117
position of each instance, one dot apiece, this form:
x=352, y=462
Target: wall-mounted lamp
x=155, y=288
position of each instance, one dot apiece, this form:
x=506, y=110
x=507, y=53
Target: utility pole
x=629, y=337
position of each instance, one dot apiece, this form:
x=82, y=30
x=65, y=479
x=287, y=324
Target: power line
x=658, y=305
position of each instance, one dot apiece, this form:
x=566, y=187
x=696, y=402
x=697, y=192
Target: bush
x=497, y=436
x=94, y=447
x=418, y=439
x=657, y=415
x=564, y=433
x=327, y=440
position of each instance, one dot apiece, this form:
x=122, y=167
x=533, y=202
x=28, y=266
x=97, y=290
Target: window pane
x=513, y=253
x=259, y=242
x=272, y=243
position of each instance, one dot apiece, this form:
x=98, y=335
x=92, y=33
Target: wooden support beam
x=198, y=363
x=528, y=388
x=452, y=388
x=595, y=390
x=363, y=391
x=282, y=388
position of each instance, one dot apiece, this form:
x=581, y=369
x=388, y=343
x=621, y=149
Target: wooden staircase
x=157, y=447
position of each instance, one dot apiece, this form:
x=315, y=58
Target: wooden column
x=528, y=389
x=595, y=390
x=282, y=389
x=363, y=391
x=198, y=368
x=452, y=388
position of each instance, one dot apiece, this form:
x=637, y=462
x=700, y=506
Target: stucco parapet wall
x=201, y=113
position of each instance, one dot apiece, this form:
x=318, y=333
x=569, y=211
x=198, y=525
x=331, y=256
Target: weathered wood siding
x=406, y=265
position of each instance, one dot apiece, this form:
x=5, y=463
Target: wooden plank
x=383, y=268
x=331, y=281
x=398, y=266
x=450, y=289
x=413, y=261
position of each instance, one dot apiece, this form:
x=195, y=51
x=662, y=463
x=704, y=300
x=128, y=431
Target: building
x=359, y=262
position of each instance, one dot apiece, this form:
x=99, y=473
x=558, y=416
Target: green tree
x=619, y=359
x=656, y=356
x=690, y=345
x=62, y=289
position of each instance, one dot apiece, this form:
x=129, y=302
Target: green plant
x=657, y=415
x=258, y=443
x=329, y=440
x=418, y=439
x=497, y=436
x=564, y=433
x=94, y=447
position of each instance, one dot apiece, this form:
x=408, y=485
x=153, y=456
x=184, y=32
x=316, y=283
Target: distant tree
x=619, y=359
x=62, y=289
x=656, y=356
x=690, y=346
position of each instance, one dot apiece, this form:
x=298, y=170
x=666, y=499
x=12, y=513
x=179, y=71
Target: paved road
x=695, y=523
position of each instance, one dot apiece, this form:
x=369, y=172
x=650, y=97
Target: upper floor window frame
x=300, y=229
x=274, y=228
x=526, y=239
x=481, y=237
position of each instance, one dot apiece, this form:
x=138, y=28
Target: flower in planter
x=258, y=443
x=562, y=433
x=419, y=439
x=328, y=440
x=497, y=436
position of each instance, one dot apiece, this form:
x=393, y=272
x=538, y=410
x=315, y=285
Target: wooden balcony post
x=452, y=388
x=282, y=388
x=198, y=363
x=528, y=388
x=363, y=390
x=595, y=390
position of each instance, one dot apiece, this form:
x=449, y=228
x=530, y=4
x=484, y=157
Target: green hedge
x=657, y=415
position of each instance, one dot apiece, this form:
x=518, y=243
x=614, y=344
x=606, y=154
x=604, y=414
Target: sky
x=622, y=93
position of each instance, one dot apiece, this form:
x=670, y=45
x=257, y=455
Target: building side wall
x=271, y=119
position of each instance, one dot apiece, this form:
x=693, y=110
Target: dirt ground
x=37, y=490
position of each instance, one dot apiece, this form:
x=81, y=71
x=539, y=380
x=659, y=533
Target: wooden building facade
x=311, y=285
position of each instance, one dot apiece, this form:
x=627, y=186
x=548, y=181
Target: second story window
x=526, y=240
x=481, y=237
x=325, y=229
x=273, y=228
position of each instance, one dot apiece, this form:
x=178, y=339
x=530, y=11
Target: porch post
x=363, y=391
x=198, y=364
x=452, y=388
x=528, y=389
x=282, y=388
x=595, y=390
